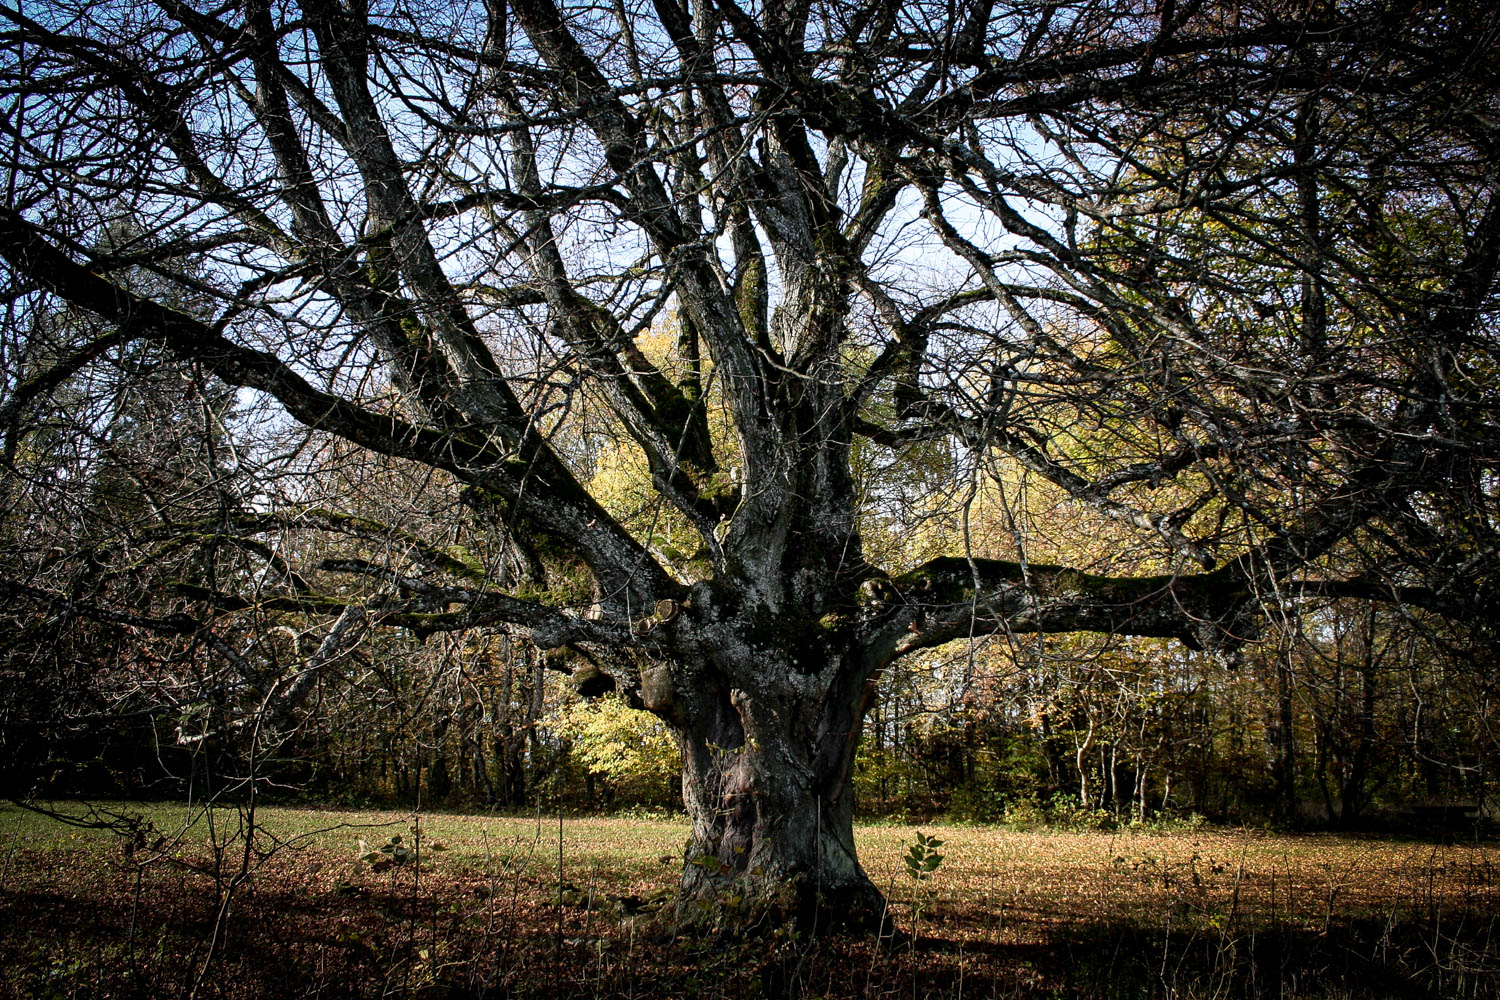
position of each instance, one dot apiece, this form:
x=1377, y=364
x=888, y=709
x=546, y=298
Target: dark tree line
x=1221, y=276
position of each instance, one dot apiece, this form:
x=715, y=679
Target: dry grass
x=1205, y=913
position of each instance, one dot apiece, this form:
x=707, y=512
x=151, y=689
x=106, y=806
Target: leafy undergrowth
x=488, y=907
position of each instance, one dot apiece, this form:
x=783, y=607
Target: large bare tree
x=1221, y=272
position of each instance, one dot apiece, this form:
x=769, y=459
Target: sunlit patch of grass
x=1142, y=878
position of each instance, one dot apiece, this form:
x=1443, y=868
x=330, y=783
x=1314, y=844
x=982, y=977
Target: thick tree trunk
x=767, y=782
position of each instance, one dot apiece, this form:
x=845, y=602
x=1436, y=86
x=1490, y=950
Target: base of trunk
x=749, y=906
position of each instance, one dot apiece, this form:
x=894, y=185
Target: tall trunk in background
x=1354, y=791
x=1283, y=744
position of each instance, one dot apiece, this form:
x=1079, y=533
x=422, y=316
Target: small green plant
x=396, y=852
x=922, y=859
x=391, y=854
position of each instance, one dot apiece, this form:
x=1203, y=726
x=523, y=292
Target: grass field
x=180, y=904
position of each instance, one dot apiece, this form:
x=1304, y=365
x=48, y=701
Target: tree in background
x=120, y=459
x=1223, y=275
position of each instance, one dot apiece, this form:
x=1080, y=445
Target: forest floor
x=180, y=905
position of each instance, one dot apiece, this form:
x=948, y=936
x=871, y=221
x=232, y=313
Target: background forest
x=1349, y=714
